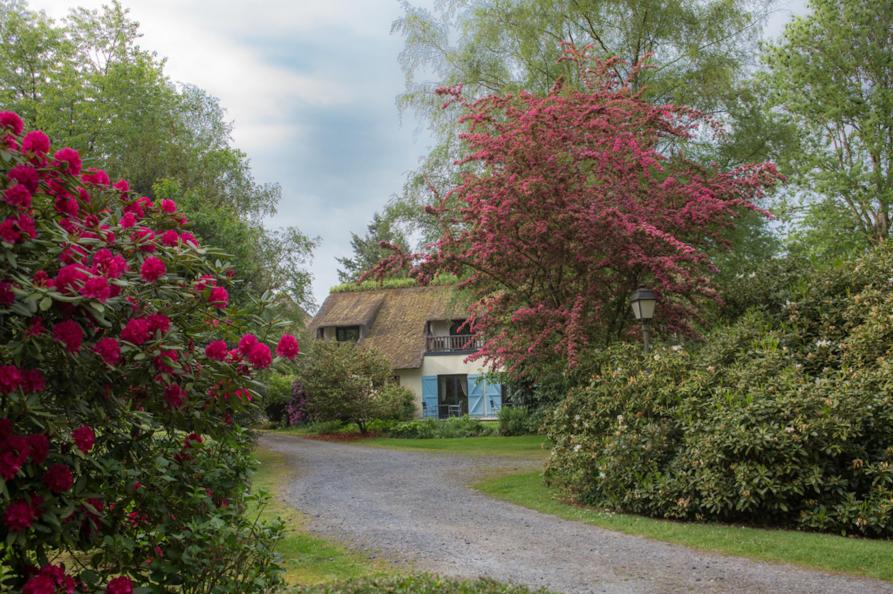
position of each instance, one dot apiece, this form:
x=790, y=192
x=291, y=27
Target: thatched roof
x=393, y=319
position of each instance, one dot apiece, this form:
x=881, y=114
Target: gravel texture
x=416, y=508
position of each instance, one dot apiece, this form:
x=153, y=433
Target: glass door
x=452, y=396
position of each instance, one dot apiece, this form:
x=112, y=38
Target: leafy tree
x=352, y=384
x=88, y=84
x=572, y=200
x=367, y=251
x=832, y=76
x=698, y=51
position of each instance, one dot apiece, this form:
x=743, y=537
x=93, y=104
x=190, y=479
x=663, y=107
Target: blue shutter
x=476, y=396
x=429, y=396
x=494, y=399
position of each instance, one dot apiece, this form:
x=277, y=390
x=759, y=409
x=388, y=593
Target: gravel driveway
x=416, y=508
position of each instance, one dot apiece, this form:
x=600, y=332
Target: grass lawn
x=524, y=446
x=308, y=560
x=857, y=556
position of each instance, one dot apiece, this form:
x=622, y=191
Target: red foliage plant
x=114, y=327
x=571, y=200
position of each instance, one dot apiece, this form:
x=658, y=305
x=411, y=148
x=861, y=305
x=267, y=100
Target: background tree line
x=88, y=84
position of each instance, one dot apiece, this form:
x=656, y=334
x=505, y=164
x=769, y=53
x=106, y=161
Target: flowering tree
x=570, y=201
x=124, y=373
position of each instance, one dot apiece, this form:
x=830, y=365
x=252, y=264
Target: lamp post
x=643, y=301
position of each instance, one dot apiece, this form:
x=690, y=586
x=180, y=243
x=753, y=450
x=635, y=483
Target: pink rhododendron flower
x=70, y=278
x=158, y=322
x=33, y=381
x=25, y=175
x=84, y=438
x=175, y=396
x=96, y=176
x=288, y=347
x=12, y=122
x=70, y=159
x=10, y=379
x=109, y=350
x=188, y=237
x=97, y=288
x=152, y=269
x=18, y=196
x=127, y=221
x=168, y=206
x=122, y=186
x=246, y=343
x=36, y=141
x=58, y=478
x=40, y=584
x=21, y=513
x=216, y=350
x=70, y=334
x=145, y=237
x=260, y=356
x=136, y=331
x=120, y=585
x=218, y=297
x=170, y=238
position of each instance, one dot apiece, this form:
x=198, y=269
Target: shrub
x=516, y=420
x=351, y=384
x=788, y=421
x=277, y=396
x=125, y=376
x=417, y=584
x=464, y=426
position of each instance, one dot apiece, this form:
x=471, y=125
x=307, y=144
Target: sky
x=310, y=86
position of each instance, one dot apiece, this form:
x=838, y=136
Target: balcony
x=462, y=343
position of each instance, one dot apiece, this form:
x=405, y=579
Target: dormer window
x=347, y=333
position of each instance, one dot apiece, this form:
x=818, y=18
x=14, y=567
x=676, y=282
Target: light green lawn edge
x=523, y=446
x=827, y=552
x=308, y=560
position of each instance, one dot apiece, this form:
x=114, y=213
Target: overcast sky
x=310, y=86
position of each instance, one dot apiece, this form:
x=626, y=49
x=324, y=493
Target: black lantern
x=643, y=301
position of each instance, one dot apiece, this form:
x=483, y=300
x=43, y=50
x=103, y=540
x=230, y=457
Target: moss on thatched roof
x=393, y=319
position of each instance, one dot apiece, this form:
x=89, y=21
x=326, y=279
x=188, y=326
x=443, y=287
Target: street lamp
x=643, y=301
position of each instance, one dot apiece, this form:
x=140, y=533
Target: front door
x=452, y=396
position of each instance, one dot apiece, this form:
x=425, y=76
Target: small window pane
x=347, y=334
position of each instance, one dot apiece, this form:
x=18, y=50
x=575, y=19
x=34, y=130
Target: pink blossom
x=218, y=297
x=136, y=331
x=168, y=206
x=216, y=350
x=12, y=122
x=69, y=333
x=70, y=159
x=109, y=350
x=36, y=142
x=260, y=356
x=18, y=196
x=152, y=269
x=97, y=288
x=288, y=347
x=84, y=438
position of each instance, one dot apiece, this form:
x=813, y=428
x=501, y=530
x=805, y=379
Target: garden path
x=416, y=508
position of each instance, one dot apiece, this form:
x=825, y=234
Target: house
x=419, y=330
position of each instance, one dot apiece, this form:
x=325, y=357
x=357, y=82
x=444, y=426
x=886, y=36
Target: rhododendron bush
x=569, y=202
x=124, y=375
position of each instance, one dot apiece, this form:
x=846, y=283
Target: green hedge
x=463, y=426
x=785, y=419
x=417, y=584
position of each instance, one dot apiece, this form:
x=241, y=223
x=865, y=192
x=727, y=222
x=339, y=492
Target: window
x=452, y=396
x=320, y=333
x=347, y=333
x=455, y=326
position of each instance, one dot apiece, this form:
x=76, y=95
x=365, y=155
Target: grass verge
x=524, y=446
x=827, y=552
x=307, y=559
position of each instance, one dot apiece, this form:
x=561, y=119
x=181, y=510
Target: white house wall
x=436, y=365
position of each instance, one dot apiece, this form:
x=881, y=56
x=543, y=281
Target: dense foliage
x=464, y=426
x=350, y=384
x=574, y=201
x=831, y=75
x=517, y=420
x=784, y=416
x=125, y=374
x=87, y=83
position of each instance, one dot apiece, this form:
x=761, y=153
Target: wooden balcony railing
x=463, y=343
